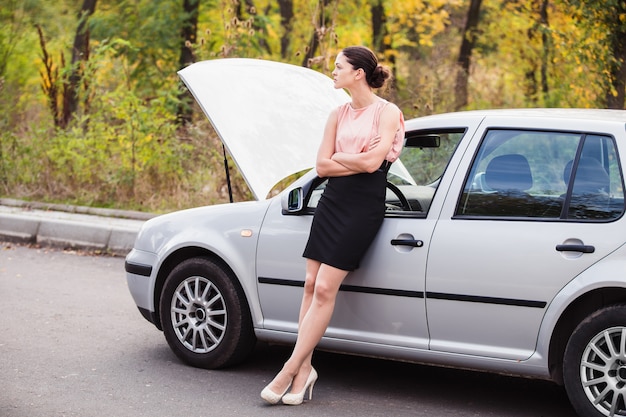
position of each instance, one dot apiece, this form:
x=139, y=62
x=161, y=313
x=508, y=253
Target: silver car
x=502, y=248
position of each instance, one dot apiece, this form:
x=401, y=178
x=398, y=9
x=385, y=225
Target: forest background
x=93, y=113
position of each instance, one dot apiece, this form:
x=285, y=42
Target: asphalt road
x=73, y=344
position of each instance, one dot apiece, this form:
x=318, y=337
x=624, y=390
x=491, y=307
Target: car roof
x=555, y=113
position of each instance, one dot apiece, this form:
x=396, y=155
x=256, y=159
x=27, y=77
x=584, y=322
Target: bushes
x=125, y=154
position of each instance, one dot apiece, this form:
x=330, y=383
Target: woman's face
x=344, y=74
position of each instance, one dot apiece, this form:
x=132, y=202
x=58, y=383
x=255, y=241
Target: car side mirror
x=293, y=201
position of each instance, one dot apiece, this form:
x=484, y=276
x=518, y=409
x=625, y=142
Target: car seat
x=590, y=191
x=509, y=173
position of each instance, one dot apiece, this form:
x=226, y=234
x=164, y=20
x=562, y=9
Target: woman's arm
x=371, y=160
x=324, y=165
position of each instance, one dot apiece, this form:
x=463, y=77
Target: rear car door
x=531, y=213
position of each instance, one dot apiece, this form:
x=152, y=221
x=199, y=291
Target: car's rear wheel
x=594, y=366
x=205, y=316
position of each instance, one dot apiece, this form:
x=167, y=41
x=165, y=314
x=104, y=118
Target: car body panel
x=215, y=229
x=140, y=286
x=606, y=274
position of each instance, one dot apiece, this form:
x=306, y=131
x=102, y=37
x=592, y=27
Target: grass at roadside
x=161, y=170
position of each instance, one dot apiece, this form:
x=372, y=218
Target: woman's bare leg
x=312, y=269
x=312, y=326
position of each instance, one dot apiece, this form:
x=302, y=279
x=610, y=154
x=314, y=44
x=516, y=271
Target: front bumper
x=141, y=277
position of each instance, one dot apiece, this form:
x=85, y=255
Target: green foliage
x=123, y=150
x=151, y=29
x=231, y=30
x=125, y=147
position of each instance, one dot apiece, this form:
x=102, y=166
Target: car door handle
x=407, y=242
x=576, y=248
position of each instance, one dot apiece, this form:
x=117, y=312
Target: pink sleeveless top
x=356, y=127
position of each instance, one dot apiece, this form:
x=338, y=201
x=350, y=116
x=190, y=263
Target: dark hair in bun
x=362, y=57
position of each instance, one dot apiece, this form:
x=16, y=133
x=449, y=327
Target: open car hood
x=269, y=115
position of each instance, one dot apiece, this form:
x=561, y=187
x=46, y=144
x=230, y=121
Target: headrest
x=509, y=173
x=591, y=177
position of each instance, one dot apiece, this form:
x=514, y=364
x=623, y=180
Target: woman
x=361, y=140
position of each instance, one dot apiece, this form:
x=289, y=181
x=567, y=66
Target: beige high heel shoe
x=271, y=397
x=298, y=398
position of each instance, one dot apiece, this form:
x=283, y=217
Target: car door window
x=425, y=156
x=544, y=175
x=411, y=183
x=597, y=191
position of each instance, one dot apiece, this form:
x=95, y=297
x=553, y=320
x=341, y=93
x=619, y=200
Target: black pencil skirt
x=347, y=219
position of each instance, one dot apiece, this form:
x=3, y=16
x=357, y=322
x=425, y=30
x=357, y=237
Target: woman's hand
x=326, y=165
x=373, y=142
x=369, y=160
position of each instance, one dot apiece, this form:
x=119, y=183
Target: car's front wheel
x=594, y=366
x=205, y=316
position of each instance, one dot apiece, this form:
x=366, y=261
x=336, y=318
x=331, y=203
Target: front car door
x=377, y=304
x=381, y=303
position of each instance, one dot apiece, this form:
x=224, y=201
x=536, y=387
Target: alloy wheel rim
x=198, y=314
x=603, y=371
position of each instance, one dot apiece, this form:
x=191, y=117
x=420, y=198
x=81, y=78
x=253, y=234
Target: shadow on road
x=413, y=388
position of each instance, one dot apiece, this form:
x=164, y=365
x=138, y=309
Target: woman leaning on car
x=361, y=140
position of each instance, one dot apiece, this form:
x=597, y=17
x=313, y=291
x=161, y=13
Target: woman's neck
x=362, y=98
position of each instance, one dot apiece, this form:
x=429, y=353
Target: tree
x=465, y=53
x=80, y=54
x=188, y=34
x=12, y=24
x=616, y=22
x=381, y=39
x=286, y=22
x=322, y=28
x=537, y=72
x=379, y=29
x=608, y=17
x=61, y=90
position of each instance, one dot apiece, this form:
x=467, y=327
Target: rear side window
x=544, y=175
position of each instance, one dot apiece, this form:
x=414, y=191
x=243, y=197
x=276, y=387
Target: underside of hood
x=269, y=115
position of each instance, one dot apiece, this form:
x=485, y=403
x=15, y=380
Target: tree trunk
x=188, y=34
x=465, y=54
x=546, y=45
x=286, y=21
x=322, y=21
x=80, y=54
x=379, y=29
x=615, y=96
x=618, y=75
x=49, y=79
x=380, y=40
x=538, y=82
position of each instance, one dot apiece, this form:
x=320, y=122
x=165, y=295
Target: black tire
x=205, y=316
x=594, y=365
